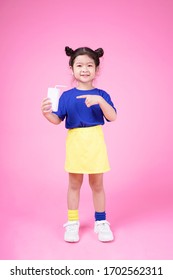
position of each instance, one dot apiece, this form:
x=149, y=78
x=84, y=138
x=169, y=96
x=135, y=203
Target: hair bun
x=69, y=51
x=99, y=52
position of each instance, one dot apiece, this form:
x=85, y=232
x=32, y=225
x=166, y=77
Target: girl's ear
x=71, y=69
x=97, y=69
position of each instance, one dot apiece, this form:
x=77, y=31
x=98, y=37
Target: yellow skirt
x=86, y=151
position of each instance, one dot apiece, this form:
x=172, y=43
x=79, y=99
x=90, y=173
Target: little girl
x=84, y=109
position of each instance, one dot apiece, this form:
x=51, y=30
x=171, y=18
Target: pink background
x=137, y=72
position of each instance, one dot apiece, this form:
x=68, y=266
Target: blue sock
x=100, y=216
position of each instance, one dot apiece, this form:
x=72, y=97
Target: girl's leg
x=102, y=227
x=73, y=195
x=96, y=184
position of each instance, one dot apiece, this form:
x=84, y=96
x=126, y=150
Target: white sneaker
x=102, y=228
x=71, y=231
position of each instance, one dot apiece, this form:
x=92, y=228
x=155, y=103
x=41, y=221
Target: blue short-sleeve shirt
x=76, y=113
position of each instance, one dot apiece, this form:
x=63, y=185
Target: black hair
x=94, y=54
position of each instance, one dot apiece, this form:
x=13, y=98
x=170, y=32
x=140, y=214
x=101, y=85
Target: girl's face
x=84, y=69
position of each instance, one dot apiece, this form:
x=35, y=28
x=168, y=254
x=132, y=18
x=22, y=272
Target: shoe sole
x=102, y=240
x=71, y=241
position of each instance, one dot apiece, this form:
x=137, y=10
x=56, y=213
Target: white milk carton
x=54, y=95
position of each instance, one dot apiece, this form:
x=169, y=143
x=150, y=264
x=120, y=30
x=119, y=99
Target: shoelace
x=71, y=226
x=103, y=226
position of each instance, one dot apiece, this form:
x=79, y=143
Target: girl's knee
x=75, y=181
x=96, y=182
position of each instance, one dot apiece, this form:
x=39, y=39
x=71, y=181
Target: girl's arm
x=108, y=111
x=46, y=108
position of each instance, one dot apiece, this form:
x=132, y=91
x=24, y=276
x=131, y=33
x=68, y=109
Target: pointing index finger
x=81, y=96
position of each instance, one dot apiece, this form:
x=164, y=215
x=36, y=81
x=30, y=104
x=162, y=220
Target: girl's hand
x=46, y=106
x=91, y=99
x=108, y=111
